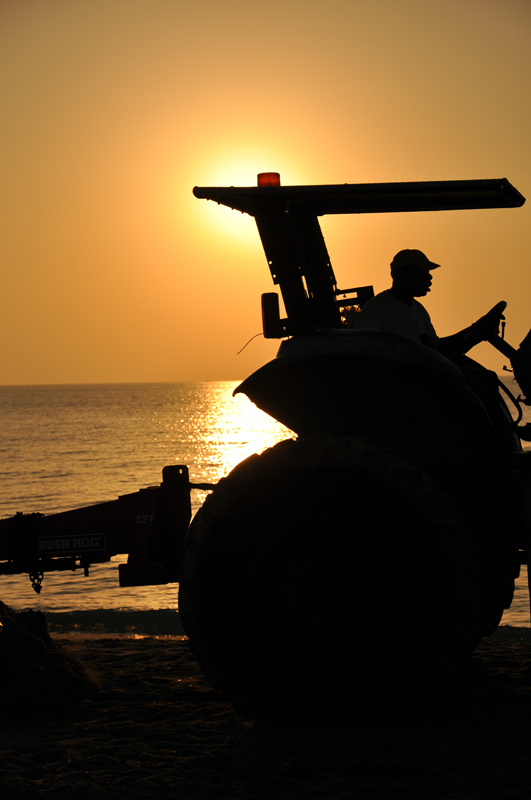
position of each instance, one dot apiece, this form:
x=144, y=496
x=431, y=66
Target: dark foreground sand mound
x=156, y=729
x=35, y=672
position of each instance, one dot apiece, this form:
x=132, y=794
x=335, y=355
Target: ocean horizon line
x=116, y=383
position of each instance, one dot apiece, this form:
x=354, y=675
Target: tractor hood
x=378, y=386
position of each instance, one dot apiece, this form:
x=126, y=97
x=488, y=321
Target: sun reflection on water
x=215, y=433
x=94, y=443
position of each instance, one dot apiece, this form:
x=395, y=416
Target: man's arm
x=480, y=331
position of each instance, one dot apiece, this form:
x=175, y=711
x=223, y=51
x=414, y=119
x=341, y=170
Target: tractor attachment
x=148, y=525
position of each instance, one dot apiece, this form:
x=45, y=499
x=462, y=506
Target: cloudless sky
x=111, y=111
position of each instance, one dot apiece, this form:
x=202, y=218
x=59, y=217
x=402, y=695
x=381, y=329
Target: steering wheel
x=484, y=327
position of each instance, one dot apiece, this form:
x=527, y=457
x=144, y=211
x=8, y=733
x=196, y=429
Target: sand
x=153, y=728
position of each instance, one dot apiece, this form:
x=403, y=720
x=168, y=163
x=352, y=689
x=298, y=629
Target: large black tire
x=327, y=579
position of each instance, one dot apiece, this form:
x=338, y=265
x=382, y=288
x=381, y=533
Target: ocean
x=64, y=447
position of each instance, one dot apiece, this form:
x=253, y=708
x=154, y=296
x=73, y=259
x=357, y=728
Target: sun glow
x=237, y=164
x=221, y=220
x=237, y=170
x=227, y=223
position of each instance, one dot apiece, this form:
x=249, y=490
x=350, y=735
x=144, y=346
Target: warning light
x=268, y=179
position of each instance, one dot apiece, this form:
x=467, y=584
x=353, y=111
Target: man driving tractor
x=396, y=310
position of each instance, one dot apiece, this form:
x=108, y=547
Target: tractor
x=358, y=565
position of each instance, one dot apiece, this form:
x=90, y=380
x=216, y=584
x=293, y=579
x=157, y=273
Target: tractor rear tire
x=329, y=580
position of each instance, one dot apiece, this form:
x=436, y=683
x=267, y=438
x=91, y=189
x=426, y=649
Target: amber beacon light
x=268, y=179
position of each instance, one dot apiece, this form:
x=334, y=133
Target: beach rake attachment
x=149, y=526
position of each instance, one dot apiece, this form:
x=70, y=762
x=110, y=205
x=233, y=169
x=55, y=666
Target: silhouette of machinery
x=350, y=571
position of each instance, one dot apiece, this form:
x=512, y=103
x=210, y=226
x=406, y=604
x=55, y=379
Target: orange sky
x=112, y=110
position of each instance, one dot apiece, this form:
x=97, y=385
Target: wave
x=159, y=622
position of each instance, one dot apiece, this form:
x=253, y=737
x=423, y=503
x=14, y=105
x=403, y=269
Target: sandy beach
x=153, y=727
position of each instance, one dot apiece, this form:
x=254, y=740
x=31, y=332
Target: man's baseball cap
x=416, y=257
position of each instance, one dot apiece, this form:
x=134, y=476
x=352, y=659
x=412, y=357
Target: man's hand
x=486, y=327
